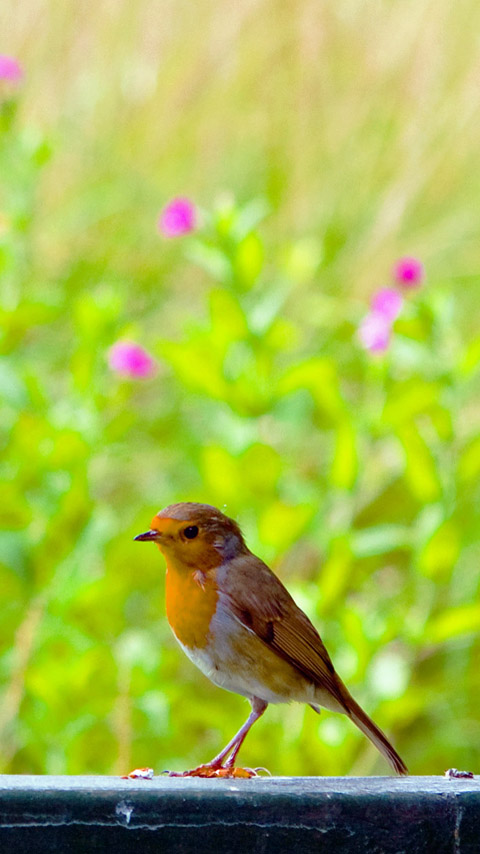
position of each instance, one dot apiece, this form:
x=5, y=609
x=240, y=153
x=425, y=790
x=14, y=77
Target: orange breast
x=190, y=607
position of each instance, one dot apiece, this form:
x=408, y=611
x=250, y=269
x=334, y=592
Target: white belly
x=236, y=659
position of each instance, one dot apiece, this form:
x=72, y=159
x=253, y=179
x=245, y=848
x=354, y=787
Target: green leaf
x=280, y=525
x=228, y=321
x=12, y=388
x=470, y=358
x=410, y=399
x=380, y=539
x=420, y=472
x=469, y=462
x=196, y=366
x=211, y=259
x=301, y=260
x=14, y=553
x=319, y=377
x=222, y=475
x=249, y=217
x=335, y=572
x=452, y=623
x=261, y=467
x=441, y=552
x=266, y=308
x=248, y=261
x=343, y=470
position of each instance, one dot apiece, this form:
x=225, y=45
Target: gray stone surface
x=268, y=815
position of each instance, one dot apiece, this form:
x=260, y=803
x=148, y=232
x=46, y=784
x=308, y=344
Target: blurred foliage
x=355, y=477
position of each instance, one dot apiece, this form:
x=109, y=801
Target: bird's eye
x=191, y=532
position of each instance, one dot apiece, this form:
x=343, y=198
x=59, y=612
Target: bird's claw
x=237, y=773
x=222, y=771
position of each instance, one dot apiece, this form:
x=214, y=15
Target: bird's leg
x=258, y=708
x=215, y=767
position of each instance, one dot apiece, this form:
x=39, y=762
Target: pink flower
x=177, y=218
x=10, y=69
x=374, y=332
x=408, y=272
x=130, y=360
x=388, y=303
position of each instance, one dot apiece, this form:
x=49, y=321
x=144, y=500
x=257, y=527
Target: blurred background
x=315, y=144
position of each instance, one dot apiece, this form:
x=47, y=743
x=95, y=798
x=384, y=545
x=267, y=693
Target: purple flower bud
x=10, y=69
x=177, y=218
x=130, y=360
x=388, y=303
x=409, y=272
x=374, y=332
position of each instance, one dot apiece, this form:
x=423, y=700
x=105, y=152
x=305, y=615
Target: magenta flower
x=10, y=69
x=374, y=332
x=408, y=272
x=388, y=303
x=130, y=360
x=177, y=218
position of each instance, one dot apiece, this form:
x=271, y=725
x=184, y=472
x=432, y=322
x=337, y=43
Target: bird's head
x=193, y=536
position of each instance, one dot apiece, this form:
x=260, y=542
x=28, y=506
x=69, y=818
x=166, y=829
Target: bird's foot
x=209, y=770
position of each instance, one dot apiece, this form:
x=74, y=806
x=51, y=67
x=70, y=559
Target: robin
x=237, y=622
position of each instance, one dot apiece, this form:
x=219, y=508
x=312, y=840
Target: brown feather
x=261, y=602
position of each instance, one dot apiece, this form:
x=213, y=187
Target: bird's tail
x=373, y=732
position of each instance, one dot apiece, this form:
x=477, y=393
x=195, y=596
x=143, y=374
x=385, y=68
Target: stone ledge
x=268, y=815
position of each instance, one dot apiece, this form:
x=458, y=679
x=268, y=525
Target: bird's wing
x=262, y=604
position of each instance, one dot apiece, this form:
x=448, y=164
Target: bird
x=240, y=626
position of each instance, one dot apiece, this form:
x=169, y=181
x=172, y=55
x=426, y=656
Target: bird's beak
x=148, y=536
